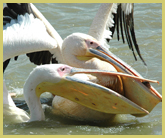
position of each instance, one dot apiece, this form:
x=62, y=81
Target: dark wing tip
x=5, y=64
x=14, y=9
x=128, y=21
x=41, y=57
x=126, y=24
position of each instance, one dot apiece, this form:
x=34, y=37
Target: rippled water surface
x=69, y=18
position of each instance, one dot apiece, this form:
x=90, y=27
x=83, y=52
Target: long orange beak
x=139, y=92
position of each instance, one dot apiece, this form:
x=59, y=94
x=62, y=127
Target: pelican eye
x=91, y=43
x=62, y=69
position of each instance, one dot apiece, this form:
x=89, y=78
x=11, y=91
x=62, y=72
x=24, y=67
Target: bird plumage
x=83, y=44
x=109, y=17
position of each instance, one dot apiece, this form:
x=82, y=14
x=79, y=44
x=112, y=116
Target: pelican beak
x=139, y=92
x=90, y=94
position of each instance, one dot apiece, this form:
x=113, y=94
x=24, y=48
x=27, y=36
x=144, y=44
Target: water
x=69, y=18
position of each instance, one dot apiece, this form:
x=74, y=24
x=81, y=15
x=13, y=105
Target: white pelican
x=93, y=51
x=15, y=43
x=63, y=80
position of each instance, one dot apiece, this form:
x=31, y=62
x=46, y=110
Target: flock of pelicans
x=90, y=83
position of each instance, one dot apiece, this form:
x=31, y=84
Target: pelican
x=66, y=81
x=82, y=50
x=15, y=43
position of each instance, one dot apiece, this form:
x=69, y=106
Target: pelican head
x=76, y=47
x=80, y=41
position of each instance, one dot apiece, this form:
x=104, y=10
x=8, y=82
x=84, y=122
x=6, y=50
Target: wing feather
x=120, y=17
x=11, y=13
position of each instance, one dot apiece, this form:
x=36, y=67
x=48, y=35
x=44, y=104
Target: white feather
x=102, y=21
x=127, y=8
x=26, y=34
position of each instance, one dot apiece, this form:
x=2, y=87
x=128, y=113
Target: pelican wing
x=22, y=28
x=111, y=16
x=56, y=56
